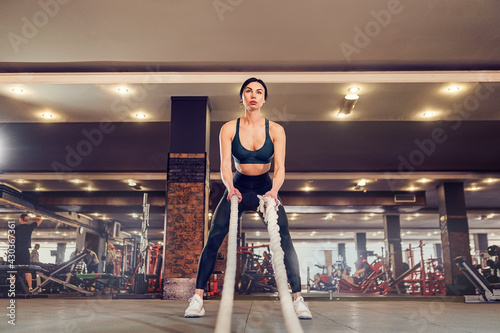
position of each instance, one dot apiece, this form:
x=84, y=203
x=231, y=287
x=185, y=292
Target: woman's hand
x=273, y=195
x=232, y=192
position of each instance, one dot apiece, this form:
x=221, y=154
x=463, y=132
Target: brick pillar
x=454, y=235
x=392, y=230
x=187, y=195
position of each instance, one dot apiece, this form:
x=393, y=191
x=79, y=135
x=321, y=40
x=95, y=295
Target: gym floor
x=253, y=314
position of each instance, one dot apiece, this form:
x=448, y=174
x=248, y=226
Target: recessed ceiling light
x=17, y=90
x=20, y=181
x=140, y=115
x=362, y=182
x=428, y=114
x=47, y=115
x=473, y=188
x=453, y=89
x=351, y=97
x=122, y=90
x=366, y=218
x=307, y=188
x=411, y=188
x=89, y=188
x=423, y=180
x=38, y=189
x=76, y=181
x=341, y=115
x=353, y=90
x=257, y=233
x=131, y=182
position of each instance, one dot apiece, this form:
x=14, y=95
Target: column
x=392, y=230
x=481, y=243
x=341, y=251
x=187, y=195
x=439, y=253
x=60, y=252
x=360, y=243
x=454, y=235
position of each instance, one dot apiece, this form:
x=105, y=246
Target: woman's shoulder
x=275, y=128
x=229, y=126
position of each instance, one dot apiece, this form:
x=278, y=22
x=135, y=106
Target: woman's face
x=253, y=96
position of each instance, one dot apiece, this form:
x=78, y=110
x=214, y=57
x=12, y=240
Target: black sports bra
x=242, y=155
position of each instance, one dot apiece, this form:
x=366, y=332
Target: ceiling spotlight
x=47, y=115
x=353, y=90
x=329, y=216
x=307, y=188
x=17, y=90
x=428, y=114
x=20, y=181
x=140, y=115
x=131, y=182
x=347, y=105
x=362, y=182
x=122, y=90
x=453, y=88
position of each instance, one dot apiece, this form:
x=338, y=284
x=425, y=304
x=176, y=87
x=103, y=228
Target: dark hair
x=250, y=80
x=22, y=216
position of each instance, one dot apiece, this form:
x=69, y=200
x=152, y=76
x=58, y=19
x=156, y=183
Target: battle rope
x=268, y=207
x=223, y=324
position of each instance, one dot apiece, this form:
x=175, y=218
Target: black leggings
x=249, y=187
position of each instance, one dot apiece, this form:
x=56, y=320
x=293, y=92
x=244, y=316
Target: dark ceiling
x=70, y=59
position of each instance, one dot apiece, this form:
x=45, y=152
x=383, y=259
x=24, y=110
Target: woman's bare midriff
x=253, y=169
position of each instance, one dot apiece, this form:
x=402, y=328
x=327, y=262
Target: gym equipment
x=324, y=281
x=5, y=274
x=487, y=292
x=52, y=275
x=429, y=279
x=256, y=276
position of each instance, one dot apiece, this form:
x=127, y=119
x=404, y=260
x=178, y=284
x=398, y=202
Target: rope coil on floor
x=223, y=324
x=267, y=206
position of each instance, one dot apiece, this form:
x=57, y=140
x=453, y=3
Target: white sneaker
x=195, y=308
x=301, y=308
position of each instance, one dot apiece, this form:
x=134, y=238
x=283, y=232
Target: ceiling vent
x=405, y=198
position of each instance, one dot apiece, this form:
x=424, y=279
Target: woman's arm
x=225, y=138
x=279, y=140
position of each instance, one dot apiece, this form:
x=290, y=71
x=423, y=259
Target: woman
x=110, y=259
x=251, y=141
